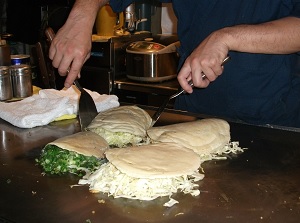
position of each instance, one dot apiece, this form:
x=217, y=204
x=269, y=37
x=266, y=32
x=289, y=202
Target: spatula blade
x=87, y=110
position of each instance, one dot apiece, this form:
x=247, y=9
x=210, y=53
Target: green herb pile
x=55, y=160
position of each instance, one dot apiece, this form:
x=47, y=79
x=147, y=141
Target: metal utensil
x=46, y=69
x=157, y=114
x=42, y=65
x=87, y=110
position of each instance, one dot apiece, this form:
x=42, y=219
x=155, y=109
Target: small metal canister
x=6, y=91
x=21, y=80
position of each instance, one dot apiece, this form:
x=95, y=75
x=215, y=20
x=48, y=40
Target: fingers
x=68, y=62
x=73, y=72
x=206, y=73
x=183, y=77
x=201, y=72
x=60, y=60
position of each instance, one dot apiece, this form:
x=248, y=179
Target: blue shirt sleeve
x=119, y=5
x=296, y=8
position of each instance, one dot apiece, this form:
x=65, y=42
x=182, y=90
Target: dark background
x=27, y=19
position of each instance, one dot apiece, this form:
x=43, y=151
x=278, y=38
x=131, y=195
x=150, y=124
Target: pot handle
x=121, y=21
x=170, y=48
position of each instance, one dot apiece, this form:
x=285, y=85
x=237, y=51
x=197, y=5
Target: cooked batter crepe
x=122, y=126
x=85, y=143
x=79, y=154
x=206, y=136
x=155, y=160
x=147, y=172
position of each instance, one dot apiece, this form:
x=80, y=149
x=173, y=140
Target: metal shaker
x=6, y=91
x=21, y=80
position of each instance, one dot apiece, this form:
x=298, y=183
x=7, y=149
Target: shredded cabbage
x=108, y=179
x=170, y=203
x=219, y=154
x=119, y=139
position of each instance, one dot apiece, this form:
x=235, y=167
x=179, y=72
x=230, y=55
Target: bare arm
x=72, y=44
x=276, y=37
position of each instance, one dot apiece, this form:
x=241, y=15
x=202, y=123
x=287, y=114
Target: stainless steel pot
x=151, y=62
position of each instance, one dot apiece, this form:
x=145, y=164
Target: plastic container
x=6, y=91
x=21, y=80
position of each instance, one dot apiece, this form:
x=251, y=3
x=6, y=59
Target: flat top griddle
x=260, y=185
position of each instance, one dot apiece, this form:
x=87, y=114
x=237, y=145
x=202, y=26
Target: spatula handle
x=49, y=34
x=78, y=86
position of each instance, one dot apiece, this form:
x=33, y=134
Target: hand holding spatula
x=87, y=110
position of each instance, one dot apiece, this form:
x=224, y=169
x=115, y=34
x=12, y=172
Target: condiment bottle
x=4, y=53
x=21, y=80
x=6, y=91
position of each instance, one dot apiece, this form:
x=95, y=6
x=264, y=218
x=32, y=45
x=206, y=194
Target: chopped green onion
x=55, y=160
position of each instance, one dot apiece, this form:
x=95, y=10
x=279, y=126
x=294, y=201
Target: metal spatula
x=157, y=114
x=87, y=110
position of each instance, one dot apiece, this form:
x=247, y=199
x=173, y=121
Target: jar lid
x=144, y=47
x=19, y=56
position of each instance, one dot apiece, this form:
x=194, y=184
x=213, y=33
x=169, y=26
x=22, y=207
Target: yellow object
x=64, y=117
x=106, y=21
x=35, y=89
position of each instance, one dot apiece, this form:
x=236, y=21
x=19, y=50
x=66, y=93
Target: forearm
x=276, y=37
x=85, y=11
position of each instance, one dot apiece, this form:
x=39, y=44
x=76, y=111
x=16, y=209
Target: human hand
x=204, y=64
x=72, y=44
x=69, y=50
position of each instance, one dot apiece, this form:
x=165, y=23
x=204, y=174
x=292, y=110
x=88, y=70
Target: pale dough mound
x=205, y=136
x=85, y=143
x=155, y=160
x=129, y=119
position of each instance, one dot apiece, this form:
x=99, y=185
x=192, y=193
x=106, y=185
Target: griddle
x=259, y=185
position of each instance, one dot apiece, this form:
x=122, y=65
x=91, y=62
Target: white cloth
x=168, y=19
x=50, y=104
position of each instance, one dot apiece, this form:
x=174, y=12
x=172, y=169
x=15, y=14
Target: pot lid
x=145, y=47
